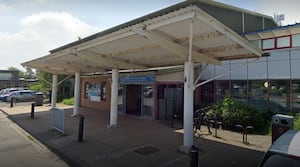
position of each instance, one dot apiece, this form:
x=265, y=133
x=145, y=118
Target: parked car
x=21, y=96
x=285, y=151
x=5, y=92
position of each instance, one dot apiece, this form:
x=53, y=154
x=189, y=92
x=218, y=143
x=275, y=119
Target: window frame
x=276, y=42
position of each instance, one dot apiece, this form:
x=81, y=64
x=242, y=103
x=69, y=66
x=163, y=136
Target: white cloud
x=58, y=24
x=4, y=8
x=40, y=33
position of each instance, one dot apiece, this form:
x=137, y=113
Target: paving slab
x=135, y=142
x=20, y=149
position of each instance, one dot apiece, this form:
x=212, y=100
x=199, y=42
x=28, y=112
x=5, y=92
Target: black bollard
x=80, y=129
x=194, y=156
x=32, y=111
x=11, y=102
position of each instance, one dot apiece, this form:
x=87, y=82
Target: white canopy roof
x=157, y=42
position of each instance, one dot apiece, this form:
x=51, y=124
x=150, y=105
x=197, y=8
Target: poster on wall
x=93, y=92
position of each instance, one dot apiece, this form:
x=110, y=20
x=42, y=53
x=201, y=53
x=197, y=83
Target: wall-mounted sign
x=145, y=79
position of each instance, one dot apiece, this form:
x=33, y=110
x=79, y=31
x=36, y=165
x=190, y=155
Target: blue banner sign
x=137, y=79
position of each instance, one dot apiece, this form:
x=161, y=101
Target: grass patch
x=69, y=101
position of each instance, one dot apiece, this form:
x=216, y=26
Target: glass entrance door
x=133, y=100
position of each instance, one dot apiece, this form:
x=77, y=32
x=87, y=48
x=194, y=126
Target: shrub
x=297, y=122
x=232, y=112
x=69, y=101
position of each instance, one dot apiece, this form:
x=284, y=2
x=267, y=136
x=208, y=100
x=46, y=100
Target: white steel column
x=188, y=104
x=114, y=98
x=189, y=96
x=54, y=90
x=76, y=94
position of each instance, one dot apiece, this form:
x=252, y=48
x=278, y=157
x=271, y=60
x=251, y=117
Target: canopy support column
x=188, y=104
x=189, y=96
x=54, y=90
x=76, y=94
x=114, y=98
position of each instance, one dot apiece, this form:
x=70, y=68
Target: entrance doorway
x=170, y=102
x=133, y=99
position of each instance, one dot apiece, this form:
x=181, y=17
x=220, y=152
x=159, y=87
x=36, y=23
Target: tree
x=65, y=89
x=29, y=74
x=21, y=73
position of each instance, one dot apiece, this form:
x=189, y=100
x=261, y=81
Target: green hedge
x=232, y=112
x=297, y=122
x=69, y=101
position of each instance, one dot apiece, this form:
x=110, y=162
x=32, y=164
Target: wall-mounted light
x=266, y=84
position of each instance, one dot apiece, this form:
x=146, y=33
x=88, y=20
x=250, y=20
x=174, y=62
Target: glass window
x=86, y=86
x=296, y=40
x=268, y=43
x=239, y=90
x=148, y=101
x=279, y=93
x=283, y=42
x=120, y=98
x=220, y=70
x=222, y=89
x=256, y=43
x=103, y=91
x=296, y=95
x=258, y=93
x=207, y=93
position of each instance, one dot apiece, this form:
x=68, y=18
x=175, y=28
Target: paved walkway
x=20, y=149
x=136, y=142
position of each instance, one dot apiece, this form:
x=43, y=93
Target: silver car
x=21, y=96
x=285, y=151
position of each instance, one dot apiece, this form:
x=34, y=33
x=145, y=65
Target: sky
x=30, y=28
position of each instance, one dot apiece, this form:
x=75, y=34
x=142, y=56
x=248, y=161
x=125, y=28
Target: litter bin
x=39, y=99
x=281, y=124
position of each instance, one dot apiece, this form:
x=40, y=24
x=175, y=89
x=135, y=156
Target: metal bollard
x=11, y=102
x=194, y=156
x=80, y=129
x=32, y=111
